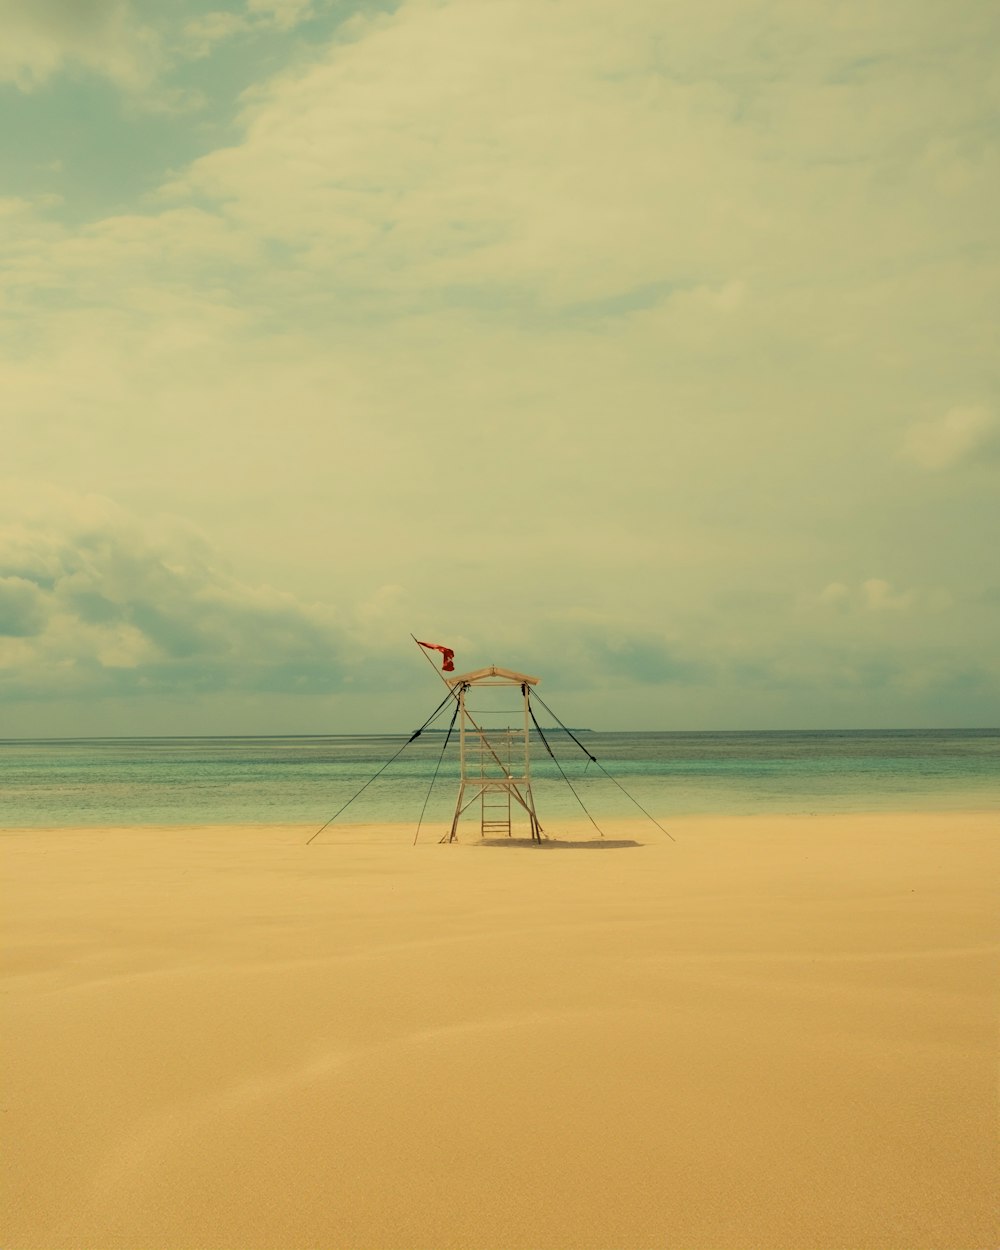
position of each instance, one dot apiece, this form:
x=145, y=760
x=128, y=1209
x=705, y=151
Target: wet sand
x=777, y=1033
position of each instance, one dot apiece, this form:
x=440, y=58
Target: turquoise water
x=138, y=781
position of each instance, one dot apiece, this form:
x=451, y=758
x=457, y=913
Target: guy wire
x=454, y=717
x=416, y=734
x=560, y=767
x=595, y=760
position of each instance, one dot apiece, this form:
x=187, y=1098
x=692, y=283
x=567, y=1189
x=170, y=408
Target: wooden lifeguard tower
x=495, y=765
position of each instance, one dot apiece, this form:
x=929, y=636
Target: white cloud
x=524, y=308
x=202, y=33
x=835, y=595
x=881, y=597
x=97, y=602
x=283, y=14
x=43, y=37
x=956, y=438
x=873, y=595
x=443, y=147
x=581, y=151
x=109, y=38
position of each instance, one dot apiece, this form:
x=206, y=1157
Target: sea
x=376, y=778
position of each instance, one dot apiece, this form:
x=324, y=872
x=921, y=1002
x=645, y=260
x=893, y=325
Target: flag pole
x=451, y=690
x=423, y=652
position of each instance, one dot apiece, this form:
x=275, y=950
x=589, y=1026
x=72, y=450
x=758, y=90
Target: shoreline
x=576, y=825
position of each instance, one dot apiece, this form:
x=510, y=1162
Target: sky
x=645, y=346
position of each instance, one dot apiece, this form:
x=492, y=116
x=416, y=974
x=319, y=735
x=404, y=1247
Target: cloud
x=94, y=601
x=22, y=612
x=835, y=595
x=962, y=435
x=44, y=37
x=96, y=604
x=880, y=596
x=874, y=594
x=638, y=656
x=524, y=308
x=201, y=34
x=111, y=39
x=282, y=14
x=440, y=148
x=560, y=150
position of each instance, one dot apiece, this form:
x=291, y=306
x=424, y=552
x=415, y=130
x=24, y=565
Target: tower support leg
x=453, y=834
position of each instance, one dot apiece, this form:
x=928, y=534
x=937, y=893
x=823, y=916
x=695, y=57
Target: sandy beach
x=777, y=1033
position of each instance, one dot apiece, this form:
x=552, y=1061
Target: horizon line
x=399, y=733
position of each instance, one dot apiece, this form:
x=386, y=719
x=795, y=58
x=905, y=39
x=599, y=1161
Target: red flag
x=447, y=664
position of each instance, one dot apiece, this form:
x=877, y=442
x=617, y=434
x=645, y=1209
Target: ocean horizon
x=305, y=778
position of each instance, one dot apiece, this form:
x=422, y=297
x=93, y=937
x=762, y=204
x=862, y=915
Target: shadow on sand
x=552, y=844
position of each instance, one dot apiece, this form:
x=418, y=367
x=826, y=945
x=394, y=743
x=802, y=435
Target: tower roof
x=492, y=676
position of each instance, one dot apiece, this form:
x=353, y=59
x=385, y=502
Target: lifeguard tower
x=494, y=764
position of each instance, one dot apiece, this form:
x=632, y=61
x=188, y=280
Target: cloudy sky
x=645, y=345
